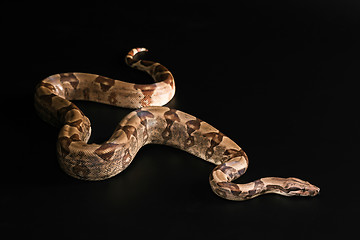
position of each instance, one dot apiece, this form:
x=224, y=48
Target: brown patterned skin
x=148, y=124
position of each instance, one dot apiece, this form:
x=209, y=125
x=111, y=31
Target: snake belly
x=149, y=124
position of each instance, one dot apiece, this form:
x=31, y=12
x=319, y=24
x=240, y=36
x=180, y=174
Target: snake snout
x=315, y=191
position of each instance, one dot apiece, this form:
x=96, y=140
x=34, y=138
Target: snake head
x=298, y=187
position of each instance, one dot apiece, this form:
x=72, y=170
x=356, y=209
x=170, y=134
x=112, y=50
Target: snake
x=149, y=123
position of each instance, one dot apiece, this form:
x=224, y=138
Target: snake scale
x=149, y=123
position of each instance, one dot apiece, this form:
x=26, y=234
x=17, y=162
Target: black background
x=278, y=77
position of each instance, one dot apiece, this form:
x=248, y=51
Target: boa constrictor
x=150, y=123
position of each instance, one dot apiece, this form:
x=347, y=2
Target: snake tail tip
x=142, y=49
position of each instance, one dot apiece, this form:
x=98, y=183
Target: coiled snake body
x=150, y=123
